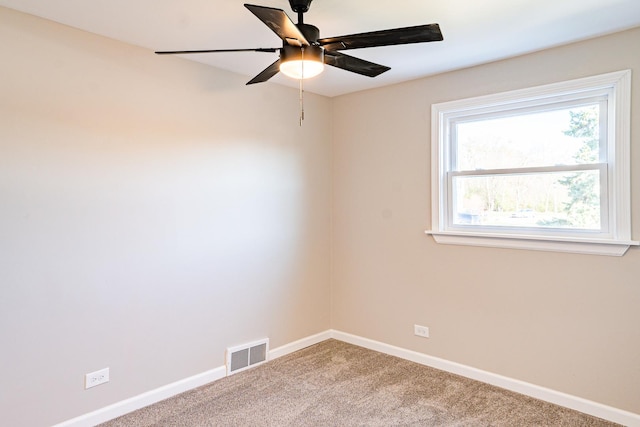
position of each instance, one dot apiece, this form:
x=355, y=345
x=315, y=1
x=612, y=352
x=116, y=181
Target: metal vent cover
x=247, y=355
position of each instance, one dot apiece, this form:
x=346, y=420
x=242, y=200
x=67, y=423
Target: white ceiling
x=474, y=31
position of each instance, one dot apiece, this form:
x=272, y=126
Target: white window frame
x=615, y=237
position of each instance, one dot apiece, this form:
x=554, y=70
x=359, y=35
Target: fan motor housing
x=310, y=32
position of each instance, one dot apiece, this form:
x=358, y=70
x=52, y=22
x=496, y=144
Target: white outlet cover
x=95, y=378
x=421, y=331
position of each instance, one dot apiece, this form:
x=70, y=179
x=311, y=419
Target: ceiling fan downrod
x=300, y=7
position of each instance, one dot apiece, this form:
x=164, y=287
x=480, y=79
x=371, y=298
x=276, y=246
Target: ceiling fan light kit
x=303, y=53
x=300, y=62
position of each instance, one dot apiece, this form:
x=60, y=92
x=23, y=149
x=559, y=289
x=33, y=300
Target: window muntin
x=489, y=152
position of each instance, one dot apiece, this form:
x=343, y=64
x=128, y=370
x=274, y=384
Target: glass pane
x=548, y=200
x=559, y=137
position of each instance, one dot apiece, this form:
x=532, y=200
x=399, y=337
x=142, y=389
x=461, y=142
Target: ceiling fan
x=303, y=53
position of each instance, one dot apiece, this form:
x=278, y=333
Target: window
x=544, y=168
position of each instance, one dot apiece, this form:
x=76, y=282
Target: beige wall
x=563, y=321
x=153, y=211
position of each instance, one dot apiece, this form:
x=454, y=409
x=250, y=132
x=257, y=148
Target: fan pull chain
x=301, y=87
x=301, y=102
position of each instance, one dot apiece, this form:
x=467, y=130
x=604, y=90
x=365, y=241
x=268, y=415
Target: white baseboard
x=299, y=345
x=568, y=401
x=145, y=399
x=609, y=413
x=153, y=396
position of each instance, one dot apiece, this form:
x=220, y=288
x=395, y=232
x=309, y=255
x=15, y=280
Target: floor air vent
x=245, y=356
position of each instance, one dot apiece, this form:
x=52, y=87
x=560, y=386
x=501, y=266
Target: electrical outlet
x=93, y=379
x=421, y=331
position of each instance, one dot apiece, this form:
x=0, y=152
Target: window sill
x=535, y=243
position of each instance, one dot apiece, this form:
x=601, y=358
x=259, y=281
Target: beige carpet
x=339, y=384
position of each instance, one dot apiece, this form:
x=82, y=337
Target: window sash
x=602, y=231
x=599, y=98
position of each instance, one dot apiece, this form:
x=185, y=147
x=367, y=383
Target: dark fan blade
x=179, y=52
x=356, y=65
x=419, y=34
x=279, y=23
x=266, y=74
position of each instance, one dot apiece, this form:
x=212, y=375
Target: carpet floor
x=338, y=384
